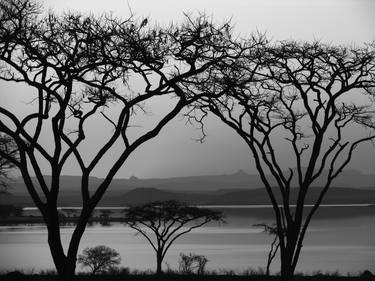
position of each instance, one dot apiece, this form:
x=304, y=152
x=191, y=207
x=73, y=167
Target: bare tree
x=296, y=103
x=167, y=221
x=79, y=70
x=99, y=258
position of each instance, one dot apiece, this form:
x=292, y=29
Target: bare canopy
x=77, y=70
x=300, y=99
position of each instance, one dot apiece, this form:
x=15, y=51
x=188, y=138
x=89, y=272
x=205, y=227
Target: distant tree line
x=301, y=96
x=9, y=210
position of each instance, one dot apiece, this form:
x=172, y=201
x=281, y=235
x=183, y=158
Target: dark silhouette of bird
x=144, y=22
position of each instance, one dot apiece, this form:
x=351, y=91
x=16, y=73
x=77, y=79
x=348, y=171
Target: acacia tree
x=300, y=102
x=78, y=69
x=167, y=221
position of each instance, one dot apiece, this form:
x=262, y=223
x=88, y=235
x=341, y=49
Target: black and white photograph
x=187, y=140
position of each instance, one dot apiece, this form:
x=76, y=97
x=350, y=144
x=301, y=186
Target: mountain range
x=239, y=188
x=335, y=195
x=238, y=180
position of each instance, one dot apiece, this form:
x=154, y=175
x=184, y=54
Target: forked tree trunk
x=289, y=255
x=65, y=263
x=287, y=270
x=65, y=269
x=159, y=261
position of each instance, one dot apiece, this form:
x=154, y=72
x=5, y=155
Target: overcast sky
x=174, y=152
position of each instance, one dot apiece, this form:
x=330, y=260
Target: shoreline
x=214, y=206
x=71, y=214
x=39, y=220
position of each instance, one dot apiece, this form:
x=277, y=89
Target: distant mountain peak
x=133, y=178
x=240, y=173
x=147, y=189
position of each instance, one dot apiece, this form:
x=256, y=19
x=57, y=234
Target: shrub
x=99, y=259
x=192, y=262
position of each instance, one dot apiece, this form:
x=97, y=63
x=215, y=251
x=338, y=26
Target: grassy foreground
x=12, y=276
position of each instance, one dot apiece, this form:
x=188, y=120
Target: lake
x=340, y=238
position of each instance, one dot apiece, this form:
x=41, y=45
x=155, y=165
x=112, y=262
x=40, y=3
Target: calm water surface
x=340, y=238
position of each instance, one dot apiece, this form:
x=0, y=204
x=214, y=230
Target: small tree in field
x=100, y=259
x=167, y=221
x=188, y=263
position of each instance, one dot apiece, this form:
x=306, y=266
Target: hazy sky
x=174, y=152
x=336, y=21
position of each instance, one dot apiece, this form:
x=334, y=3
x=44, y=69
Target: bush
x=192, y=262
x=99, y=259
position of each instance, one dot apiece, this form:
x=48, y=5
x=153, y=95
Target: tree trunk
x=65, y=264
x=272, y=253
x=64, y=268
x=288, y=255
x=159, y=261
x=70, y=269
x=287, y=270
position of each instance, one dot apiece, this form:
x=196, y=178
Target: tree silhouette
x=99, y=258
x=79, y=70
x=301, y=102
x=188, y=263
x=8, y=157
x=105, y=214
x=275, y=244
x=8, y=210
x=70, y=213
x=167, y=221
x=104, y=217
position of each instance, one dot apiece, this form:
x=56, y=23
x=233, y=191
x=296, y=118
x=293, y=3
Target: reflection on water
x=340, y=238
